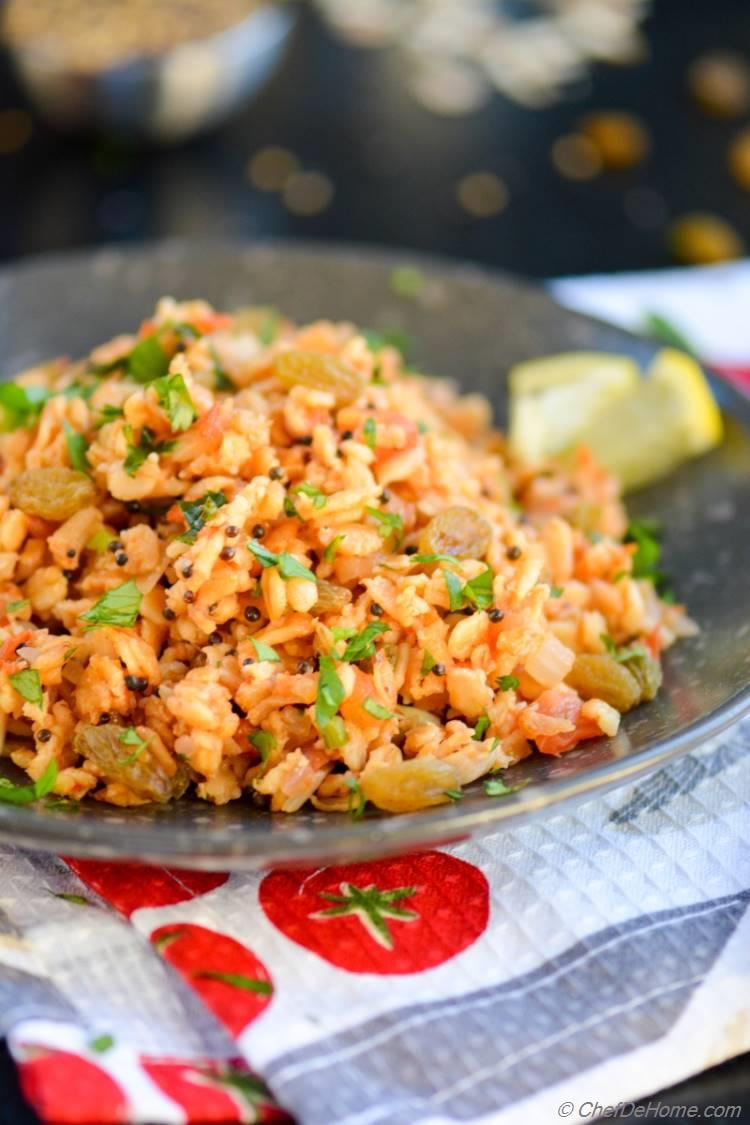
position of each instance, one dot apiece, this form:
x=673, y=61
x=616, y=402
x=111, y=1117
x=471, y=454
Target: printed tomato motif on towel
x=400, y=915
x=227, y=976
x=130, y=886
x=212, y=1092
x=68, y=1089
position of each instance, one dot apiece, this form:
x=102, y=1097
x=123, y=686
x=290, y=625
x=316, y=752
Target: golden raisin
x=458, y=532
x=140, y=771
x=401, y=787
x=52, y=494
x=600, y=676
x=331, y=598
x=321, y=373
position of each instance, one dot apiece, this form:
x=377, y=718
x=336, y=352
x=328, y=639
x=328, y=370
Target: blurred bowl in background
x=167, y=95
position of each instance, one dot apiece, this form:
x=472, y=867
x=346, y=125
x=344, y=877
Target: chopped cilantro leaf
x=407, y=281
x=25, y=794
x=480, y=730
x=318, y=497
x=174, y=399
x=140, y=450
x=290, y=510
x=356, y=812
x=269, y=327
x=147, y=361
x=131, y=737
x=390, y=523
x=608, y=643
x=453, y=794
x=556, y=591
x=329, y=698
x=108, y=413
x=20, y=406
x=28, y=685
x=370, y=432
x=507, y=683
x=425, y=560
x=496, y=787
x=377, y=340
x=13, y=607
x=264, y=742
x=372, y=707
x=76, y=444
x=197, y=513
x=222, y=382
x=289, y=567
x=428, y=663
x=120, y=606
x=99, y=541
x=265, y=652
x=362, y=645
x=330, y=552
x=659, y=328
x=478, y=591
x=455, y=596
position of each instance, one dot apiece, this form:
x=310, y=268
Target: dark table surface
x=394, y=167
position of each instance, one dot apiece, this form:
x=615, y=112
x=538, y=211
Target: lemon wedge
x=639, y=428
x=550, y=398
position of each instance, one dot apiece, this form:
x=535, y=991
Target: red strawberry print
x=69, y=1090
x=210, y=1091
x=129, y=886
x=229, y=979
x=400, y=915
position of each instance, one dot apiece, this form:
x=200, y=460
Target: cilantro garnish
x=269, y=327
x=329, y=698
x=356, y=812
x=99, y=541
x=174, y=399
x=120, y=606
x=289, y=567
x=370, y=432
x=28, y=685
x=608, y=643
x=362, y=646
x=478, y=591
x=264, y=742
x=147, y=361
x=131, y=737
x=659, y=328
x=76, y=444
x=265, y=652
x=454, y=794
x=290, y=510
x=425, y=560
x=13, y=607
x=407, y=281
x=496, y=787
x=376, y=340
x=108, y=414
x=556, y=591
x=25, y=794
x=317, y=496
x=138, y=452
x=372, y=707
x=428, y=663
x=197, y=513
x=645, y=533
x=390, y=523
x=20, y=406
x=507, y=683
x=222, y=382
x=480, y=730
x=455, y=596
x=330, y=552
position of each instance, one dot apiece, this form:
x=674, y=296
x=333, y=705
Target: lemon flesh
x=669, y=418
x=640, y=428
x=551, y=398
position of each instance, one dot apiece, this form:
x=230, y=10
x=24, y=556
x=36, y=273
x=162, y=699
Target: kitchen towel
x=585, y=958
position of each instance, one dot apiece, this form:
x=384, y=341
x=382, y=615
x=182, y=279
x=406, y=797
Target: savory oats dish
x=264, y=560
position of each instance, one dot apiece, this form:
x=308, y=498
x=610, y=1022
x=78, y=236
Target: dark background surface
x=394, y=168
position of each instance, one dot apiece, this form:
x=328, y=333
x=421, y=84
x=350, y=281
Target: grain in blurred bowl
x=159, y=70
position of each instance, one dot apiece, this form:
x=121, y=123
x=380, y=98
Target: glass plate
x=471, y=325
